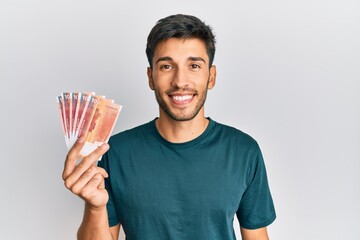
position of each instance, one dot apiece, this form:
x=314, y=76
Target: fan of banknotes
x=88, y=115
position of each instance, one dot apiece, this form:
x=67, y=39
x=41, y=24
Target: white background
x=288, y=75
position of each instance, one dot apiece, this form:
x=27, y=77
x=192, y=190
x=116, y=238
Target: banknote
x=101, y=126
x=88, y=115
x=75, y=101
x=67, y=113
x=60, y=107
x=82, y=113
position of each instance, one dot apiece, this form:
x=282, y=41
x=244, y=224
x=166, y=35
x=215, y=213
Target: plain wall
x=288, y=75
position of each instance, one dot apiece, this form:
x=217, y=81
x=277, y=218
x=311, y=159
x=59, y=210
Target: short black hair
x=180, y=26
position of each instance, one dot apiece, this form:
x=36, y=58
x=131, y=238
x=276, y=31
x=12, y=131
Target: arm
x=86, y=180
x=256, y=234
x=95, y=225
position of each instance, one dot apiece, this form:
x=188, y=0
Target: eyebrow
x=189, y=59
x=195, y=59
x=164, y=59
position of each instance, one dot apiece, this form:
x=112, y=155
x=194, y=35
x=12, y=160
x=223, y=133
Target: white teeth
x=182, y=98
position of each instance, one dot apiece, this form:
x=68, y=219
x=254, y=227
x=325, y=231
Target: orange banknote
x=88, y=115
x=101, y=126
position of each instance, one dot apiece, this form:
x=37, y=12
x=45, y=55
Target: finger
x=72, y=156
x=86, y=177
x=95, y=155
x=102, y=184
x=92, y=186
x=103, y=172
x=84, y=165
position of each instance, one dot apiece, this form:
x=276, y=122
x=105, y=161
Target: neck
x=181, y=131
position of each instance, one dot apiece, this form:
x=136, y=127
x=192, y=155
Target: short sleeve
x=112, y=214
x=256, y=209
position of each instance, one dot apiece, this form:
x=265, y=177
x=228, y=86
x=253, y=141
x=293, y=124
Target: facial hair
x=182, y=117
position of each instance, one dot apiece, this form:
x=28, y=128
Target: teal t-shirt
x=192, y=190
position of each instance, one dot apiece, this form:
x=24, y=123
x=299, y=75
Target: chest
x=175, y=183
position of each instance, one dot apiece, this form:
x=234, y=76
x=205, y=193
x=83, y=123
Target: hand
x=86, y=180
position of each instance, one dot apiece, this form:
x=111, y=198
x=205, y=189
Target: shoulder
x=239, y=146
x=235, y=135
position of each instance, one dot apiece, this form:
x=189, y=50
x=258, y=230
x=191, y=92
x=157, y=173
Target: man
x=182, y=175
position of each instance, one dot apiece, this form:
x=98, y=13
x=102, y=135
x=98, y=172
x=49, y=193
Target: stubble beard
x=181, y=116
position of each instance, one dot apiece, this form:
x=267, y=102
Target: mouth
x=180, y=99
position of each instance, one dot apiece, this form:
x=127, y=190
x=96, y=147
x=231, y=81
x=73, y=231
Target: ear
x=150, y=79
x=212, y=77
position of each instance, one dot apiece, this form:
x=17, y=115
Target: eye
x=166, y=67
x=195, y=66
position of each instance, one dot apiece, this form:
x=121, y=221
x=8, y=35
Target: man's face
x=181, y=77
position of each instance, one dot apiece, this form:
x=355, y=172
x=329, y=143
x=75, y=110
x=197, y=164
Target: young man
x=182, y=175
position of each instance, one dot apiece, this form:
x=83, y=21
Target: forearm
x=94, y=225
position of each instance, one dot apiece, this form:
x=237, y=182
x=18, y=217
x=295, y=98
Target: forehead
x=178, y=48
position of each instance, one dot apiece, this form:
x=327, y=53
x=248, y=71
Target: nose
x=180, y=79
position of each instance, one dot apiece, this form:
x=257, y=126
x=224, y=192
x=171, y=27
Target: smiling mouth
x=181, y=99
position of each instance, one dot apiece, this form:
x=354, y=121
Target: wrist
x=95, y=209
